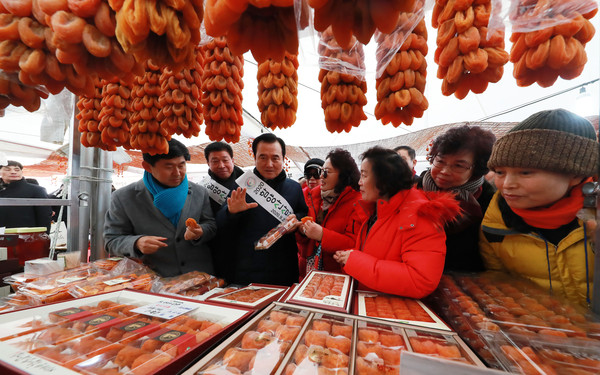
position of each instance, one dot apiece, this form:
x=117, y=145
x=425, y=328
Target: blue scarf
x=169, y=201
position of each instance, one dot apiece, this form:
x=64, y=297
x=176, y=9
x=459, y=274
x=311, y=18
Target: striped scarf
x=462, y=192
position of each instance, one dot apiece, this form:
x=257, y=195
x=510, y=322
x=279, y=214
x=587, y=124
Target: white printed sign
x=120, y=280
x=216, y=191
x=265, y=196
x=166, y=309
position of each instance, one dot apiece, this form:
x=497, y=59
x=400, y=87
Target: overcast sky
x=309, y=129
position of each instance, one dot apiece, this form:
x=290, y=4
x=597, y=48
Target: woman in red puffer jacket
x=332, y=207
x=401, y=245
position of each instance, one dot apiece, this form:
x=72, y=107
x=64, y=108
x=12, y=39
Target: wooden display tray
x=16, y=361
x=334, y=303
x=275, y=294
x=359, y=308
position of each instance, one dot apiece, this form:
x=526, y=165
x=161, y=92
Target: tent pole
x=101, y=190
x=73, y=187
x=84, y=196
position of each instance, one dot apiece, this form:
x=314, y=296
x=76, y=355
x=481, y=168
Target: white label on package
x=3, y=253
x=68, y=280
x=167, y=309
x=216, y=191
x=265, y=196
x=116, y=281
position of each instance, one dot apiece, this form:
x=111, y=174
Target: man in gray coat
x=147, y=219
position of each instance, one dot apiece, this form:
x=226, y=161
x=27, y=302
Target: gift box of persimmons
x=290, y=339
x=119, y=332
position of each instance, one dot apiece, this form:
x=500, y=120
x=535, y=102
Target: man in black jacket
x=219, y=156
x=13, y=185
x=245, y=221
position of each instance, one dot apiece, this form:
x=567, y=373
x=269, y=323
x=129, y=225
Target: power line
x=537, y=100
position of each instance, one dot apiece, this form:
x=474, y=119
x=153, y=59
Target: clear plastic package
x=260, y=346
x=378, y=349
x=276, y=233
x=325, y=347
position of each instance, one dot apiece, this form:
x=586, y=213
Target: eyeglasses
x=458, y=168
x=313, y=174
x=326, y=172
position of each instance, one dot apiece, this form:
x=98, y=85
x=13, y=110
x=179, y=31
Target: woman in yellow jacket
x=530, y=227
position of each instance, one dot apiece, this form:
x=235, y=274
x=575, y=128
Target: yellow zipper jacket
x=566, y=269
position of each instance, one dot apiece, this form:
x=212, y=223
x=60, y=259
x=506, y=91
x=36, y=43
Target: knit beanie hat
x=313, y=163
x=555, y=140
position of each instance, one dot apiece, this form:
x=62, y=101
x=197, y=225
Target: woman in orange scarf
x=531, y=226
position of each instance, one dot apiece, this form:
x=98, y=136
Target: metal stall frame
x=88, y=195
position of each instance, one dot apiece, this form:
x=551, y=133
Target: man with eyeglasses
x=221, y=171
x=312, y=173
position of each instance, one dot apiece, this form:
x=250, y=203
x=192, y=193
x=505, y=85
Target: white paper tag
x=68, y=280
x=116, y=281
x=265, y=196
x=3, y=253
x=166, y=309
x=216, y=191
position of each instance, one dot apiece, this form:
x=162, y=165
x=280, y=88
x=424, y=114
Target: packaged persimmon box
x=259, y=347
x=325, y=290
x=114, y=332
x=324, y=347
x=397, y=309
x=488, y=303
x=529, y=354
x=445, y=346
x=255, y=296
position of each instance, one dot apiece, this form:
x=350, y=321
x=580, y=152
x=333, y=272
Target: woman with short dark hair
x=332, y=207
x=400, y=247
x=458, y=164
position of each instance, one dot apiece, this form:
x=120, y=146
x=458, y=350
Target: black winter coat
x=24, y=216
x=277, y=265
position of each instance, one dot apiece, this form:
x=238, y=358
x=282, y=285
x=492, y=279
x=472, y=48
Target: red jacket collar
x=384, y=208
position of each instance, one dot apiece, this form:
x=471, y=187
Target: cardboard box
x=396, y=309
x=18, y=358
x=325, y=290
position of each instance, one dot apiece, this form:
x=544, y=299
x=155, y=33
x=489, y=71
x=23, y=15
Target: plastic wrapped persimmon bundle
x=468, y=54
x=222, y=91
x=343, y=84
x=401, y=83
x=278, y=92
x=549, y=39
